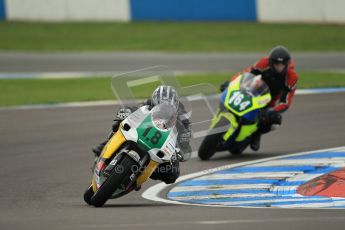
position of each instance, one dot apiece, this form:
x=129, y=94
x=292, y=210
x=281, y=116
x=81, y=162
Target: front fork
x=149, y=169
x=224, y=121
x=229, y=123
x=111, y=147
x=108, y=151
x=143, y=172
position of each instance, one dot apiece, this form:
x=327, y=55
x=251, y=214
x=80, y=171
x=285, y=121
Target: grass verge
x=169, y=36
x=50, y=91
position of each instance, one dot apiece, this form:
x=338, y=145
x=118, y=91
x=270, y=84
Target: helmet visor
x=164, y=116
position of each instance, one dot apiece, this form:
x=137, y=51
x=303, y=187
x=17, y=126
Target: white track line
x=265, y=195
x=223, y=187
x=114, y=102
x=276, y=175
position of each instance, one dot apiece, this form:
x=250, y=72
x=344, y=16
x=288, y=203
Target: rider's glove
x=224, y=86
x=185, y=136
x=179, y=155
x=123, y=113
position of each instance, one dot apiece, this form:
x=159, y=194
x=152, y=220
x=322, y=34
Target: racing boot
x=98, y=149
x=167, y=172
x=255, y=143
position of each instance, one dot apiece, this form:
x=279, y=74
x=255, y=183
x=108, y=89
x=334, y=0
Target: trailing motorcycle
x=238, y=117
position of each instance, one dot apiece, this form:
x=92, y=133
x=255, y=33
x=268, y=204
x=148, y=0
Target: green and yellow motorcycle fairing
x=237, y=116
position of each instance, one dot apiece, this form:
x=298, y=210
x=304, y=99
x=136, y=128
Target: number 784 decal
x=239, y=101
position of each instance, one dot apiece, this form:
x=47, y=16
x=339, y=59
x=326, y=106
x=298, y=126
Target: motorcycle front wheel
x=121, y=173
x=88, y=194
x=209, y=145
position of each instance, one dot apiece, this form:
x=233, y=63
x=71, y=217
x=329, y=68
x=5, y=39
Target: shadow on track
x=228, y=157
x=128, y=205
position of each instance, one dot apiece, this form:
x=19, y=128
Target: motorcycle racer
x=167, y=172
x=278, y=72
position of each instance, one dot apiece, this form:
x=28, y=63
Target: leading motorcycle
x=145, y=139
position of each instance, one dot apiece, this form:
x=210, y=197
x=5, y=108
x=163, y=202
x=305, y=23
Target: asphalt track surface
x=45, y=167
x=105, y=63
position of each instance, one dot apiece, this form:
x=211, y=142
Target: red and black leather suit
x=282, y=85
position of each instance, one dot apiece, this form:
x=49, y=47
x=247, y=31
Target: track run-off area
x=46, y=159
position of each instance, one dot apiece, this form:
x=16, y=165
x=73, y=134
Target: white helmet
x=165, y=94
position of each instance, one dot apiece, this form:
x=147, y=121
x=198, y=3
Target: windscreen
x=164, y=116
x=253, y=85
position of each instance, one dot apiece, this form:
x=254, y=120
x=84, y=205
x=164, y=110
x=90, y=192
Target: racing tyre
x=88, y=194
x=237, y=151
x=240, y=147
x=209, y=145
x=113, y=182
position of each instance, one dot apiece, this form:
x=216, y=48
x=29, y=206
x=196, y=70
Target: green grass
x=50, y=91
x=169, y=36
x=27, y=91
